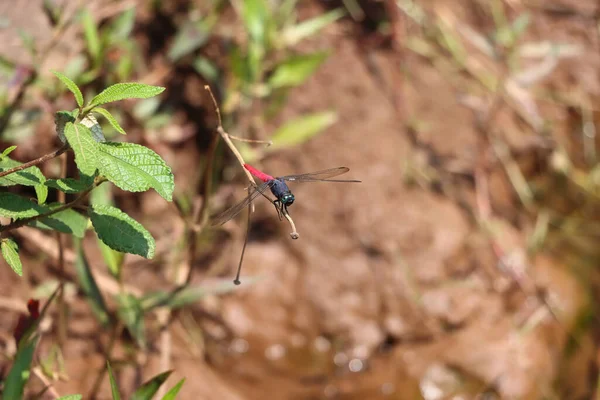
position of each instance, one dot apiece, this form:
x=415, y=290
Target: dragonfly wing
x=323, y=175
x=226, y=215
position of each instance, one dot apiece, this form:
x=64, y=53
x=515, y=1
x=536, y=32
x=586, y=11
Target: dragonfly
x=279, y=188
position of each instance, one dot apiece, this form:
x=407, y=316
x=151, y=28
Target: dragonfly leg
x=278, y=207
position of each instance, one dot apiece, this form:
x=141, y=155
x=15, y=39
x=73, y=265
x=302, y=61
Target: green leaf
x=91, y=36
x=68, y=185
x=296, y=69
x=135, y=168
x=113, y=259
x=304, y=29
x=71, y=86
x=172, y=394
x=255, y=14
x=8, y=150
x=301, y=129
x=131, y=313
x=206, y=69
x=19, y=373
x=111, y=119
x=123, y=25
x=31, y=176
x=10, y=252
x=67, y=221
x=113, y=383
x=149, y=389
x=121, y=91
x=121, y=232
x=88, y=284
x=15, y=206
x=84, y=146
x=71, y=397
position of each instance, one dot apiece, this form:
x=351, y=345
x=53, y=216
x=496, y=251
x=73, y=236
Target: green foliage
x=130, y=311
x=296, y=70
x=84, y=146
x=122, y=91
x=66, y=221
x=88, y=285
x=92, y=37
x=21, y=370
x=121, y=232
x=113, y=383
x=172, y=393
x=68, y=185
x=149, y=389
x=15, y=206
x=31, y=176
x=135, y=168
x=301, y=129
x=10, y=253
x=71, y=397
x=71, y=86
x=295, y=33
x=109, y=117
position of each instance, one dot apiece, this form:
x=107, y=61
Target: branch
x=22, y=222
x=37, y=161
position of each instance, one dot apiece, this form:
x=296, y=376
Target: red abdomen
x=259, y=174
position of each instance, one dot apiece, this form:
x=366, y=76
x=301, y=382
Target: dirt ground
x=396, y=288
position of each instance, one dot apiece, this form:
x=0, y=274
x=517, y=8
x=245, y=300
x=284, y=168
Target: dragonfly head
x=287, y=199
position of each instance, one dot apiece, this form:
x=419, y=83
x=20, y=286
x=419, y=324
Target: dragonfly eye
x=287, y=199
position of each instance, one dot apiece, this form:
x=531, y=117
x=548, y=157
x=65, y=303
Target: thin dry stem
x=37, y=161
x=227, y=138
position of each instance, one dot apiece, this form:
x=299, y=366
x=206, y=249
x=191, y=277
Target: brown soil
x=394, y=289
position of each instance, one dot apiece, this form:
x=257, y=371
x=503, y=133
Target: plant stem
x=37, y=161
x=22, y=222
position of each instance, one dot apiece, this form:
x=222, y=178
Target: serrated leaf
x=10, y=252
x=131, y=313
x=121, y=232
x=68, y=185
x=110, y=118
x=71, y=86
x=301, y=129
x=31, y=176
x=71, y=397
x=149, y=389
x=135, y=168
x=88, y=284
x=67, y=221
x=19, y=373
x=92, y=38
x=296, y=70
x=15, y=206
x=304, y=29
x=84, y=146
x=172, y=393
x=113, y=383
x=122, y=91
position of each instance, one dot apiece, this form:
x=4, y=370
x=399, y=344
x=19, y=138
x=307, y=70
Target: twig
x=62, y=305
x=227, y=138
x=37, y=161
x=47, y=384
x=21, y=222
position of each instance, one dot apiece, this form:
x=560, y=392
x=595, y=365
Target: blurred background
x=463, y=266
